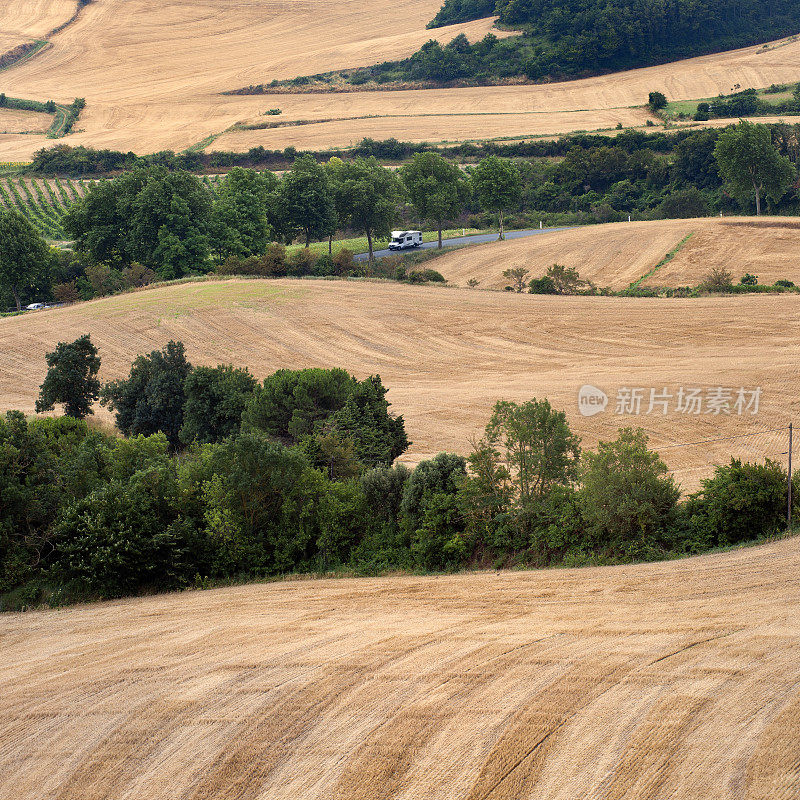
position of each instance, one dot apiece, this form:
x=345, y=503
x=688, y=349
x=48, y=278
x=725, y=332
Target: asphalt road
x=477, y=238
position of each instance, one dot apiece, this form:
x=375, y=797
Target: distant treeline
x=79, y=161
x=566, y=38
x=747, y=103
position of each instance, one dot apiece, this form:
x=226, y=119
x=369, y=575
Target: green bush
x=543, y=285
x=741, y=502
x=627, y=499
x=430, y=512
x=259, y=500
x=125, y=536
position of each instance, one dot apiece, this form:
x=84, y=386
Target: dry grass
x=12, y=121
x=449, y=354
x=33, y=19
x=431, y=128
x=617, y=254
x=665, y=680
x=147, y=91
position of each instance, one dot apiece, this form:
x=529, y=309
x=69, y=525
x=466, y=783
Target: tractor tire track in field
x=638, y=682
x=774, y=769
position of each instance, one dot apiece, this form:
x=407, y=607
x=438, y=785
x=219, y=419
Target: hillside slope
x=447, y=355
x=148, y=91
x=617, y=254
x=664, y=680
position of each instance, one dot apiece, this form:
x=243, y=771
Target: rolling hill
x=620, y=253
x=677, y=679
x=147, y=91
x=448, y=354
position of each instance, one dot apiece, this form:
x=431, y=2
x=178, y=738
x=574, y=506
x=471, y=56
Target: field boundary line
x=667, y=258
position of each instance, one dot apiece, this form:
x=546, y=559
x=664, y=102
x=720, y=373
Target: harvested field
x=431, y=128
x=146, y=91
x=662, y=680
x=617, y=254
x=12, y=121
x=33, y=19
x=449, y=354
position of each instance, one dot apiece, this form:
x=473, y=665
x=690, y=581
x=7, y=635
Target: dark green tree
x=627, y=497
x=538, y=448
x=749, y=162
x=437, y=189
x=331, y=407
x=290, y=403
x=239, y=223
x=71, y=378
x=740, y=502
x=309, y=200
x=24, y=255
x=498, y=186
x=379, y=437
x=168, y=224
x=656, y=101
x=215, y=400
x=431, y=514
x=152, y=397
x=100, y=221
x=335, y=172
x=259, y=498
x=372, y=194
x=29, y=497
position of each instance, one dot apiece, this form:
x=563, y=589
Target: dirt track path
x=668, y=680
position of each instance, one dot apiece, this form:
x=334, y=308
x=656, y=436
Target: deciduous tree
x=23, y=255
x=749, y=163
x=372, y=194
x=71, y=378
x=309, y=200
x=152, y=397
x=498, y=186
x=437, y=189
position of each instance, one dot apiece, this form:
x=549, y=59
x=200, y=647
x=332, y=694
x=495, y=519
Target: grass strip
x=667, y=258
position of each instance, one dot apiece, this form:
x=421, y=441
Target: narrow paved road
x=476, y=238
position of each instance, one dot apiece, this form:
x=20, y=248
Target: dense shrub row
x=80, y=160
x=296, y=475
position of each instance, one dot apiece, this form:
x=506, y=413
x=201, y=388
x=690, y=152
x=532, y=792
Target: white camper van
x=403, y=240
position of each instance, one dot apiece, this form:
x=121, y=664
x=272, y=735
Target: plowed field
x=671, y=680
x=617, y=254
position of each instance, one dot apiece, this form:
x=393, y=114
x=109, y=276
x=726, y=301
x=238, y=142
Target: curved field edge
x=632, y=682
x=132, y=107
x=662, y=253
x=448, y=354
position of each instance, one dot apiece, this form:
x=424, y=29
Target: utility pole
x=789, y=505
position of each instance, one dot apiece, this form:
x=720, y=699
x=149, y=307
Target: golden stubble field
x=448, y=354
x=674, y=680
x=617, y=254
x=152, y=74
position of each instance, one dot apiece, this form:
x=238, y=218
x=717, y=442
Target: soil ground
x=677, y=679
